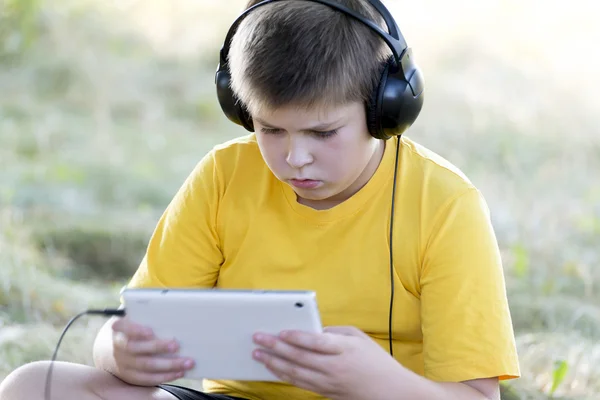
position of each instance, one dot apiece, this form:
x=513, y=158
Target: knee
x=25, y=379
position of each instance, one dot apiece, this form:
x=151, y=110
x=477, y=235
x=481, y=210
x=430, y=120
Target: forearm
x=403, y=384
x=413, y=386
x=102, y=352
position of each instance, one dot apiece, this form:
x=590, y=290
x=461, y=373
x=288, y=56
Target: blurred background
x=107, y=105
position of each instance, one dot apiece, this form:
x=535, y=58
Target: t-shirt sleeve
x=466, y=322
x=184, y=250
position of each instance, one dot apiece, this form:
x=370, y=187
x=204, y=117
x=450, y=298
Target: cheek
x=344, y=160
x=335, y=163
x=271, y=150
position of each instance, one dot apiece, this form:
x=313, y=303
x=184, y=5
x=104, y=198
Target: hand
x=144, y=360
x=341, y=363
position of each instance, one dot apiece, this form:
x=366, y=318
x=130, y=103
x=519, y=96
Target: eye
x=326, y=134
x=270, y=131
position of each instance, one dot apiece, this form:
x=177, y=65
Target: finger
x=298, y=355
x=158, y=364
x=346, y=331
x=290, y=372
x=145, y=347
x=325, y=343
x=132, y=330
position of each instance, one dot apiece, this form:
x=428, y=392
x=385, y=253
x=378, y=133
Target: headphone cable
x=106, y=312
x=391, y=248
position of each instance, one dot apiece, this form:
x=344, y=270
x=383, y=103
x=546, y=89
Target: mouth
x=304, y=183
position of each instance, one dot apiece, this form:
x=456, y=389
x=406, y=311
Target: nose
x=298, y=154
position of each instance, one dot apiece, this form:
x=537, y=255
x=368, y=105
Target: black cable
x=391, y=251
x=106, y=312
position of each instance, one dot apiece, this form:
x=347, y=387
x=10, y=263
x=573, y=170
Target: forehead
x=308, y=117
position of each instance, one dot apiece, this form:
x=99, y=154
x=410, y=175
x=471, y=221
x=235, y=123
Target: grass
x=105, y=107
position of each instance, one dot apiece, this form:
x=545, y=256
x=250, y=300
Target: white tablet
x=215, y=326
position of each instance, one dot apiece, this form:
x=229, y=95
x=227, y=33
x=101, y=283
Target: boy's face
x=324, y=155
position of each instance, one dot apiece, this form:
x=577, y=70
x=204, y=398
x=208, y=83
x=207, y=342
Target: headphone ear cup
x=244, y=116
x=232, y=107
x=400, y=98
x=374, y=104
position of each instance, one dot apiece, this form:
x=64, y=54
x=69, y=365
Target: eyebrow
x=320, y=127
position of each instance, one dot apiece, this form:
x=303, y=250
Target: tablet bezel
x=215, y=326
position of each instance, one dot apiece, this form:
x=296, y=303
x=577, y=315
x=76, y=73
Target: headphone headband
x=393, y=39
x=393, y=105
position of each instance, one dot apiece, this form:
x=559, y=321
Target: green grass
x=106, y=107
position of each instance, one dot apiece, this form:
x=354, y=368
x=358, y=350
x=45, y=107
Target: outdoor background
x=106, y=106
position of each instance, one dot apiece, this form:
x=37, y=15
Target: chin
x=312, y=197
x=315, y=195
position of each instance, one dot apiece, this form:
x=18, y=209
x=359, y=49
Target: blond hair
x=305, y=54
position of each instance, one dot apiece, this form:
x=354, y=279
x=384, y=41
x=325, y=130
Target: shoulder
x=240, y=145
x=230, y=154
x=237, y=158
x=427, y=169
x=231, y=169
x=433, y=191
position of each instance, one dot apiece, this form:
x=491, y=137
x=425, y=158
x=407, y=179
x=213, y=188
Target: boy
x=304, y=203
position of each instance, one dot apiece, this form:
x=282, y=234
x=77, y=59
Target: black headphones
x=392, y=109
x=394, y=105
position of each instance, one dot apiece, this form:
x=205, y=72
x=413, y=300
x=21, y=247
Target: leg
x=73, y=381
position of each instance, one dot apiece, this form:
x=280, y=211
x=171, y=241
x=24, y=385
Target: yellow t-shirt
x=233, y=224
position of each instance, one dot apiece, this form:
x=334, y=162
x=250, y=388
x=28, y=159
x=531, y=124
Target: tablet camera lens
x=299, y=305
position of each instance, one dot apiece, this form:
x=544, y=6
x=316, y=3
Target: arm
x=344, y=363
x=408, y=385
x=184, y=250
x=465, y=317
x=103, y=348
x=468, y=342
x=140, y=359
